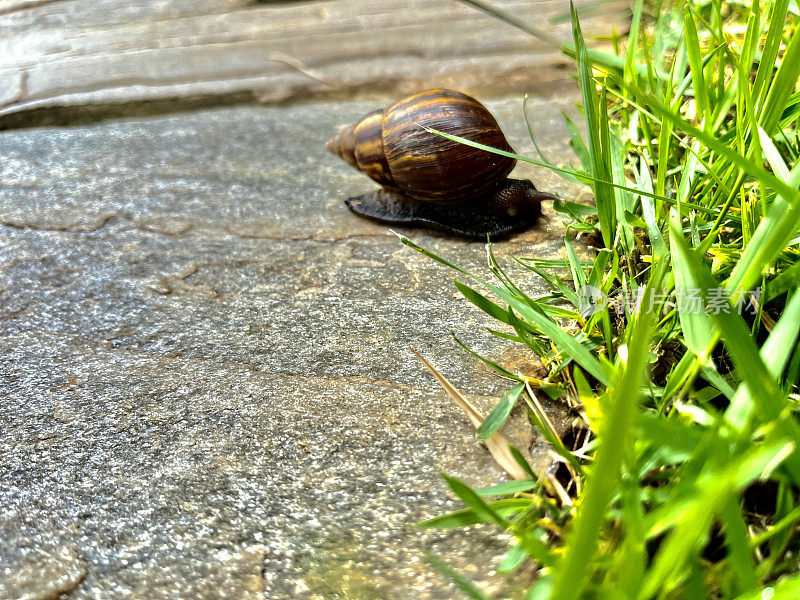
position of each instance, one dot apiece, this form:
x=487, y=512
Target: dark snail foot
x=515, y=205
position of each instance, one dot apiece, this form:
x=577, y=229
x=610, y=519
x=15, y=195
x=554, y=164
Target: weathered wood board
x=63, y=61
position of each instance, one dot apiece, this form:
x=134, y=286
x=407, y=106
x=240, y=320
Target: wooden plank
x=62, y=58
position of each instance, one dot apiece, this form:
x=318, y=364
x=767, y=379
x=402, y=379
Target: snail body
x=431, y=181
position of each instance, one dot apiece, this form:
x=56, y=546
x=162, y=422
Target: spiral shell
x=395, y=147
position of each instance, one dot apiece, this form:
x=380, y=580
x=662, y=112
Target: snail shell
x=421, y=171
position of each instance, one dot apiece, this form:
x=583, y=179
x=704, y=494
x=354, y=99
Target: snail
x=430, y=181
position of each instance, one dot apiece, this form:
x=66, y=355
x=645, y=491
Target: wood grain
x=61, y=60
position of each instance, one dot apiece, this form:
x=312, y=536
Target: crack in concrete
x=69, y=591
x=99, y=224
x=146, y=228
x=105, y=344
x=23, y=5
x=307, y=238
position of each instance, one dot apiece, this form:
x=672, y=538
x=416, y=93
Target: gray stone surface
x=206, y=384
x=62, y=60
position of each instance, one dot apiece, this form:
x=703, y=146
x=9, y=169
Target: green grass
x=689, y=488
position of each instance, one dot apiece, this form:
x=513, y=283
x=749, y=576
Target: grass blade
x=601, y=482
x=597, y=130
x=500, y=412
x=460, y=581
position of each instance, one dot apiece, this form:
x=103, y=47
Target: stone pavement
x=65, y=60
x=206, y=385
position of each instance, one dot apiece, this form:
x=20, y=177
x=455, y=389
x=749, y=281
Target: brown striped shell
x=394, y=147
